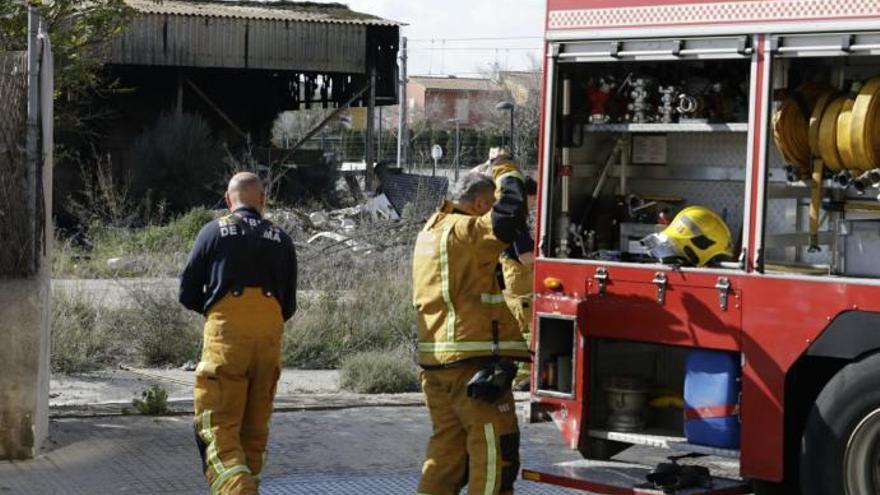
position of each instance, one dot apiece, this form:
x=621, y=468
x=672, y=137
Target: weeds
x=153, y=402
x=85, y=336
x=152, y=251
x=380, y=372
x=373, y=312
x=152, y=329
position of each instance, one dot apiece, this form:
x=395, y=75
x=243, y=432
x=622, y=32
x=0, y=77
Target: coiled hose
x=791, y=127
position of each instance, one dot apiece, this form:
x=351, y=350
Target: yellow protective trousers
x=474, y=443
x=235, y=387
x=518, y=287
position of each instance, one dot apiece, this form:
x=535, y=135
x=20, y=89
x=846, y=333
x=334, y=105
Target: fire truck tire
x=840, y=448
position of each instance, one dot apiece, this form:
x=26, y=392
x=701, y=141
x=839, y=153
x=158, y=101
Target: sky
x=464, y=37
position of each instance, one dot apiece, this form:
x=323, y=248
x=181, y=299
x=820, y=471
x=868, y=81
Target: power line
x=502, y=38
x=474, y=49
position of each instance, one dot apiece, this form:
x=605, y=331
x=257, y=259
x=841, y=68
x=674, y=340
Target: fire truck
x=767, y=113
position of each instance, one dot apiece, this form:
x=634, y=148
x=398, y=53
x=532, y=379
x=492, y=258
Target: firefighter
x=241, y=274
x=468, y=339
x=517, y=259
x=517, y=267
x=697, y=236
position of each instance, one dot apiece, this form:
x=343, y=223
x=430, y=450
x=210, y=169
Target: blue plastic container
x=711, y=398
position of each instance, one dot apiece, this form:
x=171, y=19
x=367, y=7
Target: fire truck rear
x=765, y=113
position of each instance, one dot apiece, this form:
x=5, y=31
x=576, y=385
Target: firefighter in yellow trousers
x=517, y=266
x=517, y=260
x=468, y=339
x=241, y=274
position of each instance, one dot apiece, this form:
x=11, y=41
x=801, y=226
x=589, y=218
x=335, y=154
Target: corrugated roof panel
x=187, y=41
x=270, y=11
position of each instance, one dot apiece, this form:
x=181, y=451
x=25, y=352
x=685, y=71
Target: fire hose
x=791, y=127
x=818, y=128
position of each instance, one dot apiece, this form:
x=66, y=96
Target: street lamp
x=457, y=144
x=506, y=105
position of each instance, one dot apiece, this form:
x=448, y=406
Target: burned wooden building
x=239, y=64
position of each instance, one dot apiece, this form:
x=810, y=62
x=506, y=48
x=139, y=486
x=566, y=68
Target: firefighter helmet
x=697, y=236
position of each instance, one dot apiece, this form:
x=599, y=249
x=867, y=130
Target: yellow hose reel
x=842, y=130
x=818, y=128
x=791, y=126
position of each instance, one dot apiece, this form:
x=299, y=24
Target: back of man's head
x=474, y=191
x=245, y=189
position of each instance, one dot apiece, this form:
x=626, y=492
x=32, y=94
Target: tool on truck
x=749, y=134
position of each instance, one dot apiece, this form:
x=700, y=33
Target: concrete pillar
x=24, y=352
x=24, y=291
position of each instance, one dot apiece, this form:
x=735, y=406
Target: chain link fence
x=17, y=251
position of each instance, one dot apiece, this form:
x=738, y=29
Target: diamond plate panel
x=386, y=484
x=725, y=198
x=716, y=149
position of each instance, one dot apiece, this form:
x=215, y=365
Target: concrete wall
x=24, y=352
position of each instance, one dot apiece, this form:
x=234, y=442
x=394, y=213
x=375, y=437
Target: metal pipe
x=566, y=148
x=403, y=105
x=624, y=162
x=564, y=223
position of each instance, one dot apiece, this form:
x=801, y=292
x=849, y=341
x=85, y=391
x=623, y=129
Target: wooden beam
x=315, y=130
x=216, y=108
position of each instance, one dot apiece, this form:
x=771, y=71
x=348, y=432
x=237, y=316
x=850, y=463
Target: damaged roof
x=334, y=13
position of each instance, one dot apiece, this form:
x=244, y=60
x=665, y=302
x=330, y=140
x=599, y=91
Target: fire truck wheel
x=840, y=449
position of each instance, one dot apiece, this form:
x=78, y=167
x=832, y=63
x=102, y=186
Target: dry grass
x=152, y=330
x=380, y=372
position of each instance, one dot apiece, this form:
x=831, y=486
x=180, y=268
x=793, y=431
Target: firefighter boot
x=474, y=443
x=235, y=386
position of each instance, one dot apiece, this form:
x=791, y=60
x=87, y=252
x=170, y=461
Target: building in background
x=442, y=98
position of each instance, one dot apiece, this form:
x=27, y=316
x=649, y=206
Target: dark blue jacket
x=237, y=251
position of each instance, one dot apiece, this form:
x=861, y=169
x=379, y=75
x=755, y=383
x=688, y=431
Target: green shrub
x=179, y=160
x=153, y=402
x=152, y=251
x=378, y=372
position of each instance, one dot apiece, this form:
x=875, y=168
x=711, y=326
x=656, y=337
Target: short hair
x=531, y=186
x=245, y=181
x=472, y=186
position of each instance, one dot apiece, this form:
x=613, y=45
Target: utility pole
x=369, y=157
x=403, y=108
x=457, y=145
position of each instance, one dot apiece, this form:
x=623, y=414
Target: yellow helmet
x=697, y=236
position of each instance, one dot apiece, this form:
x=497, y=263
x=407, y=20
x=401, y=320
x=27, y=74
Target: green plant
x=152, y=251
x=153, y=401
x=179, y=159
x=378, y=372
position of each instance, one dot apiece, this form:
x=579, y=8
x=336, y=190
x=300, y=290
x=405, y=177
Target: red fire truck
x=766, y=113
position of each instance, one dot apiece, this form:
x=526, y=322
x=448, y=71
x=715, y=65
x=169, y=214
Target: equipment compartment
x=637, y=141
x=555, y=355
x=638, y=387
x=823, y=216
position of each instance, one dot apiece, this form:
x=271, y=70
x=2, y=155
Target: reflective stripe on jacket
x=456, y=290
